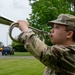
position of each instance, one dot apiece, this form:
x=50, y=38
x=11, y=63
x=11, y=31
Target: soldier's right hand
x=23, y=25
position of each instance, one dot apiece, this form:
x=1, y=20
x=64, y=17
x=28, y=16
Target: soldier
x=59, y=59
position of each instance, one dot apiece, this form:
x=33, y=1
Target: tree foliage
x=1, y=44
x=18, y=47
x=45, y=10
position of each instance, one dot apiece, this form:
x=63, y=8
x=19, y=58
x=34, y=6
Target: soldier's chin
x=53, y=42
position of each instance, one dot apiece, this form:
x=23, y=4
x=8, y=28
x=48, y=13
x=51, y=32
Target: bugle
x=13, y=24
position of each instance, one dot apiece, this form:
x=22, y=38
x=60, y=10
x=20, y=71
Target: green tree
x=18, y=47
x=45, y=10
x=72, y=6
x=1, y=44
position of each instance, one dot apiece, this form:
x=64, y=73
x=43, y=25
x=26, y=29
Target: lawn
x=21, y=66
x=22, y=54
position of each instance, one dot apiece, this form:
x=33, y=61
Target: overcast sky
x=14, y=10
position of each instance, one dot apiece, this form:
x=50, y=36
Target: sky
x=14, y=10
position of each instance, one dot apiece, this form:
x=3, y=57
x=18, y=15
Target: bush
x=18, y=47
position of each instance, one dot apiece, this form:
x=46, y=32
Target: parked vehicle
x=1, y=46
x=0, y=49
x=7, y=51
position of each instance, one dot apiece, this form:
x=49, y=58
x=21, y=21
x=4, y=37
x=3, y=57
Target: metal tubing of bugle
x=6, y=21
x=11, y=23
x=34, y=29
x=10, y=31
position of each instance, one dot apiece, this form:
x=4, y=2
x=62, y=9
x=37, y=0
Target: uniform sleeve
x=32, y=43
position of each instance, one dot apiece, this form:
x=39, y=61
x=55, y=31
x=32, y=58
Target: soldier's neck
x=68, y=43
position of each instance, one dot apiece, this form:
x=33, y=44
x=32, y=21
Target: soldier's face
x=58, y=34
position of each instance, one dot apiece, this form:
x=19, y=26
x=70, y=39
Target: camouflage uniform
x=58, y=59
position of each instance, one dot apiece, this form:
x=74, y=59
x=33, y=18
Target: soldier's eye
x=57, y=27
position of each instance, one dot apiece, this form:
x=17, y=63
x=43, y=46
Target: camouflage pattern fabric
x=64, y=19
x=58, y=59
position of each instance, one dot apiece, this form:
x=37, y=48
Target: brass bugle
x=12, y=24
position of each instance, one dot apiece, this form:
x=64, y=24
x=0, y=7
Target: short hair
x=70, y=28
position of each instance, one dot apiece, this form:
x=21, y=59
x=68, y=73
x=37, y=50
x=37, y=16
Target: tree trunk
x=74, y=5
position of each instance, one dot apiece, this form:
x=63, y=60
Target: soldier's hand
x=23, y=25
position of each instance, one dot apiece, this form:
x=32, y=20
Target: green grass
x=21, y=66
x=22, y=54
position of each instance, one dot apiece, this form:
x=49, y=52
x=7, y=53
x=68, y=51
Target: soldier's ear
x=69, y=34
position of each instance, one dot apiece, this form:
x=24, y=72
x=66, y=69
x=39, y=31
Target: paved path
x=10, y=56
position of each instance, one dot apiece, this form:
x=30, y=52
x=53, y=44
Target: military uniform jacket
x=58, y=59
